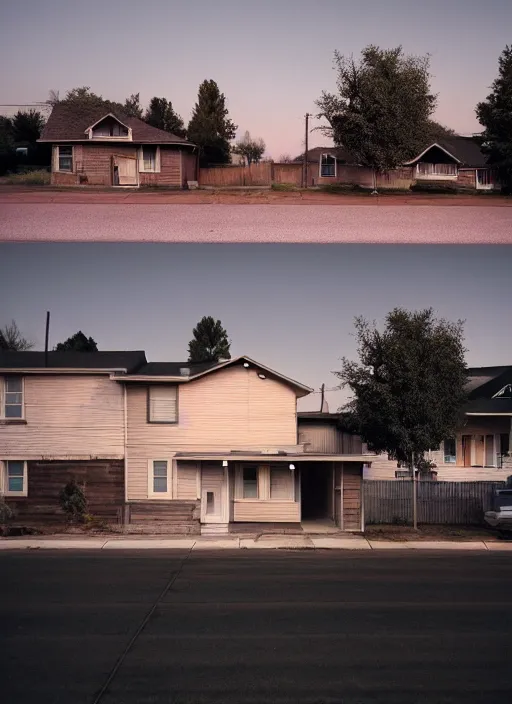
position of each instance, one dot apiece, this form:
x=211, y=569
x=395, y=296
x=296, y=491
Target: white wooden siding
x=281, y=483
x=254, y=511
x=232, y=409
x=187, y=484
x=68, y=417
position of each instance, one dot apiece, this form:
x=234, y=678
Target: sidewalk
x=264, y=542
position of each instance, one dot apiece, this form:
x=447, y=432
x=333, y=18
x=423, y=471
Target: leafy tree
x=210, y=342
x=409, y=384
x=84, y=96
x=495, y=115
x=250, y=149
x=381, y=112
x=11, y=339
x=210, y=127
x=161, y=114
x=77, y=343
x=27, y=126
x=132, y=106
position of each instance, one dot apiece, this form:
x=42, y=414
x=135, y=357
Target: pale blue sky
x=291, y=307
x=272, y=58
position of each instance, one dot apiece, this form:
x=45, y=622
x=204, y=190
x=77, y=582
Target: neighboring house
x=454, y=159
x=95, y=147
x=458, y=160
x=481, y=449
x=171, y=447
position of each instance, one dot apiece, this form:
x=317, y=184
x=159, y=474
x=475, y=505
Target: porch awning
x=263, y=457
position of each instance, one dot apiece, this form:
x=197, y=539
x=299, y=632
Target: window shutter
x=163, y=404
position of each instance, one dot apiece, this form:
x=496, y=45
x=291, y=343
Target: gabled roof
x=109, y=361
x=171, y=372
x=493, y=380
x=68, y=123
x=343, y=156
x=466, y=151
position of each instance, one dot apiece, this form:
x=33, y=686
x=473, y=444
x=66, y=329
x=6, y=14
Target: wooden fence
x=236, y=176
x=451, y=503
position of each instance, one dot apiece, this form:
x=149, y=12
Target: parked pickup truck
x=501, y=515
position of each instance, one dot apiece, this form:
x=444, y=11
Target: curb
x=251, y=544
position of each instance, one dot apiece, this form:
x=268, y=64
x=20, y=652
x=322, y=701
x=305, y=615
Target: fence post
x=414, y=496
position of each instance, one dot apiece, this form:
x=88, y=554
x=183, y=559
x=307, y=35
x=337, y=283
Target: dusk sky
x=272, y=59
x=290, y=307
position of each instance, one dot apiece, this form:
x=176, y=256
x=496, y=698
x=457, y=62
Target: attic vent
x=185, y=371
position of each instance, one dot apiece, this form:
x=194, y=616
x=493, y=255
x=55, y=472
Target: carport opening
x=316, y=492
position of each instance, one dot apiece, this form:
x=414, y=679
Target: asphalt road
x=427, y=224
x=242, y=627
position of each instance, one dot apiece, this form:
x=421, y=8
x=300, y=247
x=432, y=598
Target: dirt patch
x=42, y=194
x=407, y=533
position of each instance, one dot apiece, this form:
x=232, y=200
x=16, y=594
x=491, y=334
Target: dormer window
x=327, y=166
x=109, y=127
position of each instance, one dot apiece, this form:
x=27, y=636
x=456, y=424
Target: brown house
x=457, y=160
x=95, y=147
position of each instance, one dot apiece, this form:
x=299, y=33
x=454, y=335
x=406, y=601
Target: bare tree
x=11, y=339
x=285, y=159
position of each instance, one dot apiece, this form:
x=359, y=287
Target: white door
x=127, y=171
x=214, y=494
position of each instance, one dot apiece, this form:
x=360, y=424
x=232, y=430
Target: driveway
x=247, y=627
x=110, y=221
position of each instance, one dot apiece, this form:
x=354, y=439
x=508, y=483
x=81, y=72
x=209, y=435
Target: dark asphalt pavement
x=249, y=627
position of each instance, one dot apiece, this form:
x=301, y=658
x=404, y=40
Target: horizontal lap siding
x=170, y=170
x=102, y=482
x=266, y=511
x=97, y=161
x=67, y=417
x=187, y=480
x=352, y=482
x=281, y=483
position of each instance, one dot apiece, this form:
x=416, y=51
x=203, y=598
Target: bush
x=439, y=187
x=6, y=512
x=41, y=177
x=73, y=502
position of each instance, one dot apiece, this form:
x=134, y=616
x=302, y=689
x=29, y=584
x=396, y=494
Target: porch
x=255, y=492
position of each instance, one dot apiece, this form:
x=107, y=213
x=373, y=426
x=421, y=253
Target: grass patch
x=284, y=187
x=30, y=178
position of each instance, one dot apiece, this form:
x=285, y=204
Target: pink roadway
x=130, y=222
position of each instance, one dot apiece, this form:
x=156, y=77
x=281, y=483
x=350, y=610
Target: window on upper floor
x=327, y=166
x=11, y=397
x=163, y=404
x=13, y=479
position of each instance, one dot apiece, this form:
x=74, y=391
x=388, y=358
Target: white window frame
x=320, y=174
x=142, y=168
x=4, y=479
x=58, y=147
x=3, y=392
x=163, y=422
x=171, y=479
x=454, y=457
x=263, y=477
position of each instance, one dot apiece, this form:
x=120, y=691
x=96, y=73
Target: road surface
x=210, y=222
x=247, y=627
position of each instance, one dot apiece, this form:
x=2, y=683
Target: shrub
x=40, y=177
x=73, y=502
x=438, y=187
x=6, y=512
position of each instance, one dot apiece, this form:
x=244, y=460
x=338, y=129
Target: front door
x=126, y=171
x=214, y=494
x=466, y=450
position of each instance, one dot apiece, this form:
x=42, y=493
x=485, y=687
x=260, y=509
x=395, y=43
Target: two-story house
x=169, y=447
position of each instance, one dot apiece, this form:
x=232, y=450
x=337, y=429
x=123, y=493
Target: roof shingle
x=130, y=360
x=69, y=122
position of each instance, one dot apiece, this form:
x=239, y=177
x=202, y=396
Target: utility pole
x=46, y=338
x=305, y=170
x=322, y=401
x=414, y=495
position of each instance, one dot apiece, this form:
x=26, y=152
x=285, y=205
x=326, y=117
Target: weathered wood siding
x=102, y=482
x=176, y=517
x=230, y=410
x=266, y=511
x=67, y=417
x=352, y=496
x=327, y=438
